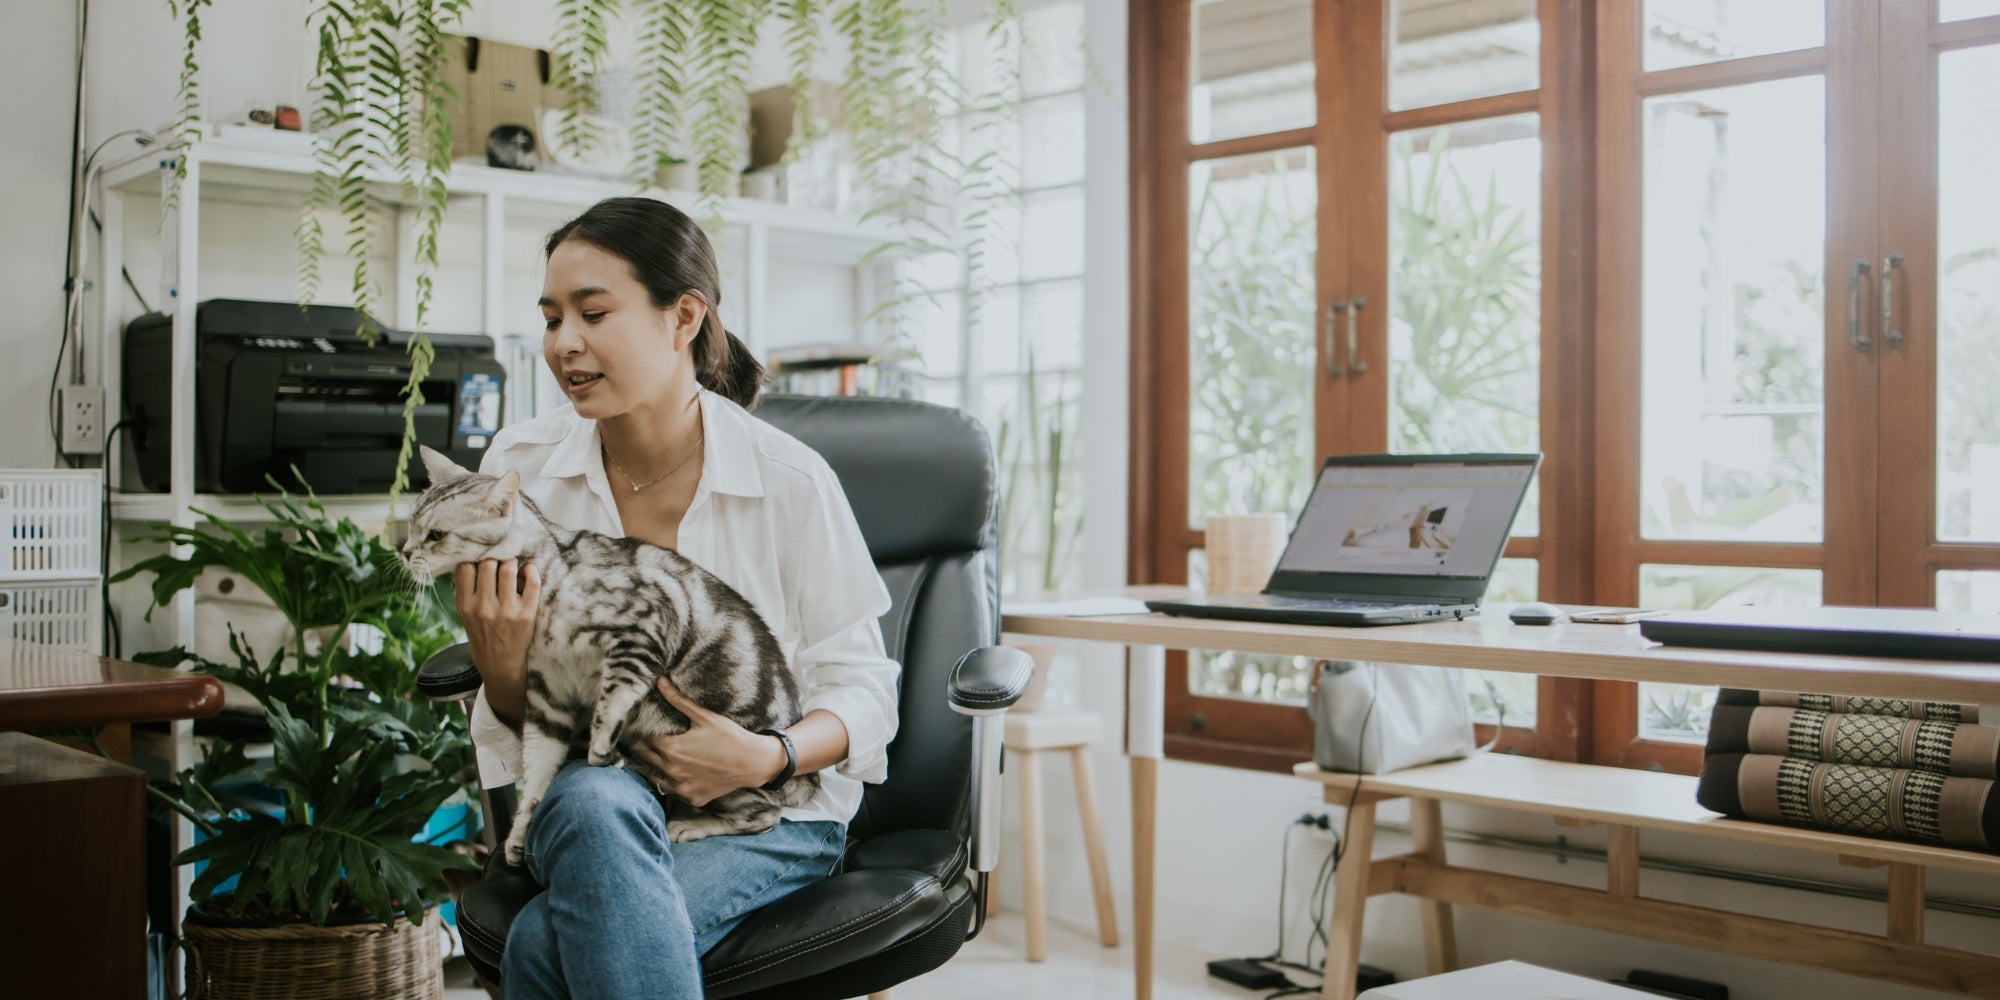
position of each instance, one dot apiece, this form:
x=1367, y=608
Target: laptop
x=1387, y=540
x=1887, y=632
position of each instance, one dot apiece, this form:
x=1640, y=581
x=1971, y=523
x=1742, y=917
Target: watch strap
x=791, y=759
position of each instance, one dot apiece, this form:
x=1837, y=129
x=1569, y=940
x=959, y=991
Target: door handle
x=1327, y=355
x=1854, y=335
x=1890, y=265
x=1355, y=366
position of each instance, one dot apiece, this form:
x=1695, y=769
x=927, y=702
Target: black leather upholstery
x=921, y=481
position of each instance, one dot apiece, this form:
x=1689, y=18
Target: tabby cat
x=615, y=614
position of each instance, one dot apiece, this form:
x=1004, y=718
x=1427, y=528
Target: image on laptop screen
x=1441, y=519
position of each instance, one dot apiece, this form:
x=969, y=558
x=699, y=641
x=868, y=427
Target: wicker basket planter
x=229, y=960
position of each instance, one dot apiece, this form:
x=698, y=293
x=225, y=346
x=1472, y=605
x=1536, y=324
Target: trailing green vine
x=382, y=121
x=188, y=126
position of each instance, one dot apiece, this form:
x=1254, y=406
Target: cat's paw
x=603, y=756
x=687, y=831
x=516, y=849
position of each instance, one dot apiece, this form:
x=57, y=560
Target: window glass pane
x=1052, y=141
x=1257, y=677
x=1250, y=318
x=1251, y=69
x=1679, y=712
x=1034, y=424
x=1968, y=289
x=1052, y=234
x=999, y=331
x=936, y=325
x=1959, y=10
x=1052, y=54
x=1969, y=590
x=1513, y=580
x=1465, y=286
x=1732, y=313
x=1689, y=32
x=1452, y=50
x=1052, y=324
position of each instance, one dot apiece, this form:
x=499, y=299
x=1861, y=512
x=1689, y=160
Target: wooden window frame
x=1260, y=735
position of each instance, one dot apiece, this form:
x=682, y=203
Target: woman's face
x=606, y=343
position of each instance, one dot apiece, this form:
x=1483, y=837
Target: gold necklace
x=685, y=459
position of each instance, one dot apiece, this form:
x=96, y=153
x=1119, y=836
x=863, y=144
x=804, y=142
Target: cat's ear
x=439, y=467
x=501, y=497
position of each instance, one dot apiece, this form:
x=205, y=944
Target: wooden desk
x=46, y=688
x=1489, y=642
x=72, y=825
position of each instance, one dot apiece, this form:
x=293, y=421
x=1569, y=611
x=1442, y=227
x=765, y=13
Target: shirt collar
x=729, y=451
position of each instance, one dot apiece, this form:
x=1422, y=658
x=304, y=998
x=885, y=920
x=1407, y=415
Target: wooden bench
x=1626, y=801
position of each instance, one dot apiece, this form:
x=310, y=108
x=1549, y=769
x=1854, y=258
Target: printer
x=277, y=386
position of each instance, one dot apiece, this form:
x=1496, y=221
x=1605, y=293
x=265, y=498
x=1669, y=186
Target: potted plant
x=325, y=889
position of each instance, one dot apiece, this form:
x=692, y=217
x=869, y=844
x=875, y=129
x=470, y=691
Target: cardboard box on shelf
x=497, y=84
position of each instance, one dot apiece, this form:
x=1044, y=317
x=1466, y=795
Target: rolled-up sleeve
x=838, y=599
x=496, y=745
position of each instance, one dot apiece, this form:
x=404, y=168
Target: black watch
x=791, y=760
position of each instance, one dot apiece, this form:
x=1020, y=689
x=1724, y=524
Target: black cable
x=69, y=234
x=1284, y=876
x=111, y=626
x=98, y=224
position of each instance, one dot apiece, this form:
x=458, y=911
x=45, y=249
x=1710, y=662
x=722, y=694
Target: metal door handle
x=1332, y=362
x=1890, y=265
x=1854, y=334
x=1355, y=366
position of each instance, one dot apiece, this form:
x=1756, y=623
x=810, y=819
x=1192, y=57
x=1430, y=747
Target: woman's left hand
x=713, y=758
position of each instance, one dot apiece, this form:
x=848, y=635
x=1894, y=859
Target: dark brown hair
x=671, y=256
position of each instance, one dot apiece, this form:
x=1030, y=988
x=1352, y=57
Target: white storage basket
x=64, y=613
x=49, y=524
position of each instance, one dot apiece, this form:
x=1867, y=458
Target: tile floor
x=993, y=967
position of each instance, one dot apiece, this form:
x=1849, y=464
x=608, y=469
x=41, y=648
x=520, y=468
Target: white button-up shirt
x=770, y=519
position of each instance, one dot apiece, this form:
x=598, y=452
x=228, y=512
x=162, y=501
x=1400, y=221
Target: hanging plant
x=189, y=127
x=383, y=120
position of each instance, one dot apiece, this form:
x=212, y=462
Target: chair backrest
x=922, y=483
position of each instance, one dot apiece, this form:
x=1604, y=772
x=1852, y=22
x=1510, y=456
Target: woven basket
x=294, y=962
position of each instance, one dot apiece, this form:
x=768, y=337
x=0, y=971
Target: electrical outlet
x=82, y=412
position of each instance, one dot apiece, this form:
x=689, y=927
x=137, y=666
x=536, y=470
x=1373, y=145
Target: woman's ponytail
x=724, y=365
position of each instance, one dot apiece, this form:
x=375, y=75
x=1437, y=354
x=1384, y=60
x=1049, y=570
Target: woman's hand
x=713, y=758
x=497, y=602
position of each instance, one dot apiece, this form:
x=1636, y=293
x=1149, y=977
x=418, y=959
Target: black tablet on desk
x=1884, y=632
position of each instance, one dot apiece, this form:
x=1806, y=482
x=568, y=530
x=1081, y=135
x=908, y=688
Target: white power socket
x=82, y=413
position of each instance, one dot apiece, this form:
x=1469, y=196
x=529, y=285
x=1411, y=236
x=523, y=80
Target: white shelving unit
x=262, y=170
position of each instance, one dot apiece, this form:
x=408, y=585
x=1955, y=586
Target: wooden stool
x=1028, y=735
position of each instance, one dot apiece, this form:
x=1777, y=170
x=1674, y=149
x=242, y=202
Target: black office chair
x=921, y=481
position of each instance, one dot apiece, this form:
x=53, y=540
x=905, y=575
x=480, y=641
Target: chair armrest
x=449, y=675
x=989, y=680
x=984, y=684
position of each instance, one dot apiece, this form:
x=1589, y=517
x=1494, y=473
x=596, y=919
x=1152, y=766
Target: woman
x=657, y=445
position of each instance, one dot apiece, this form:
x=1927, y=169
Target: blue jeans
x=626, y=914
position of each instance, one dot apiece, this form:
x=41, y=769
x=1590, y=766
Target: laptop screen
x=1431, y=516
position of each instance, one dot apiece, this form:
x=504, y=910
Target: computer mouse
x=1535, y=613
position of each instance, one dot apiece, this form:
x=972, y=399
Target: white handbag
x=1371, y=718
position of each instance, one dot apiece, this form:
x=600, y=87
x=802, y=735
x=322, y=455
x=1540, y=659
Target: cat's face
x=463, y=517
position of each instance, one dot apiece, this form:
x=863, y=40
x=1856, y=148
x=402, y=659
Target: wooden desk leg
x=1145, y=744
x=1350, y=902
x=1440, y=935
